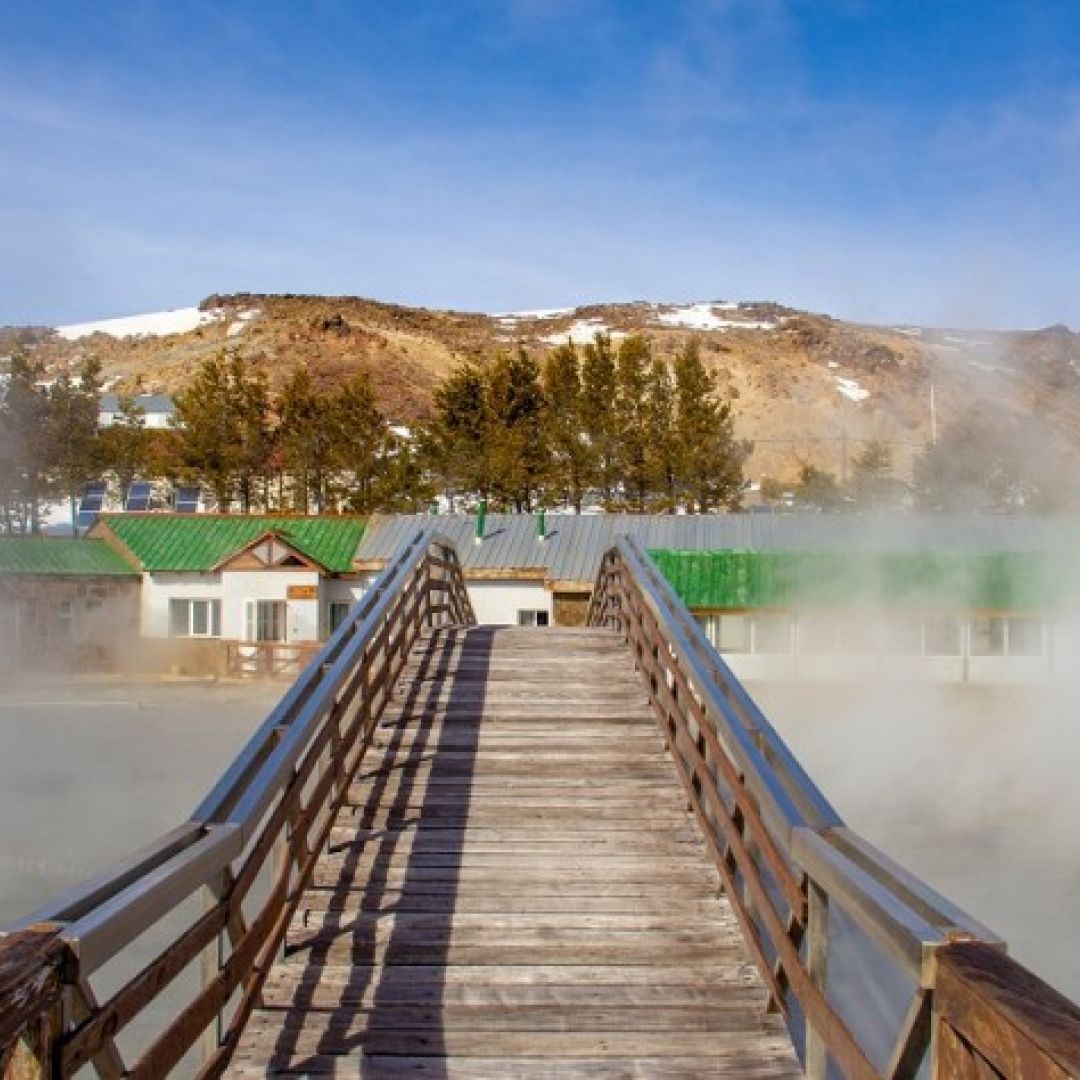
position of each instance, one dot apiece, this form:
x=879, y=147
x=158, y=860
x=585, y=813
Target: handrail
x=277, y=799
x=787, y=860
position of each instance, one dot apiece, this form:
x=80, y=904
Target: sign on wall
x=302, y=592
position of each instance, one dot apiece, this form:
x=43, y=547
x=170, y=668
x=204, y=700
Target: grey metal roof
x=575, y=544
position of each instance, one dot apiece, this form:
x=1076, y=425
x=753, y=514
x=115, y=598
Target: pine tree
x=572, y=459
x=250, y=394
x=519, y=456
x=23, y=432
x=661, y=449
x=599, y=387
x=631, y=412
x=455, y=441
x=403, y=487
x=72, y=444
x=818, y=490
x=206, y=417
x=709, y=459
x=873, y=485
x=123, y=442
x=307, y=441
x=362, y=444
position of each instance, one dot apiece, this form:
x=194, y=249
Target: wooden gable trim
x=245, y=560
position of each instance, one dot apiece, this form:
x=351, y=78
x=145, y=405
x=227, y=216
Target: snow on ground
x=704, y=317
x=850, y=388
x=582, y=332
x=153, y=324
x=242, y=319
x=540, y=313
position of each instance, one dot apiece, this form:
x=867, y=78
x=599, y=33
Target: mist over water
x=974, y=788
x=91, y=770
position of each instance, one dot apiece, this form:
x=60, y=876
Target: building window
x=336, y=611
x=63, y=618
x=195, y=618
x=532, y=618
x=819, y=634
x=904, y=635
x=941, y=636
x=265, y=620
x=771, y=633
x=988, y=636
x=999, y=635
x=1025, y=636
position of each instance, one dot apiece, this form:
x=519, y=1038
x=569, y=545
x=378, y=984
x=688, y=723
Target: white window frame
x=213, y=616
x=533, y=616
x=251, y=620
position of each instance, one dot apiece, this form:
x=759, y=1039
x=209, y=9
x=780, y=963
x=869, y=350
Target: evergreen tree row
x=309, y=448
x=621, y=428
x=305, y=449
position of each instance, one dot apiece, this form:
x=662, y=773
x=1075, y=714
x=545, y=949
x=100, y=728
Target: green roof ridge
x=199, y=542
x=62, y=555
x=1012, y=580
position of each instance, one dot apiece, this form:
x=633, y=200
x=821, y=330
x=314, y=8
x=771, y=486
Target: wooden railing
x=916, y=983
x=268, y=659
x=248, y=851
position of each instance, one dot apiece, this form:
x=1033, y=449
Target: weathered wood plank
x=534, y=1044
x=765, y=1061
x=514, y=888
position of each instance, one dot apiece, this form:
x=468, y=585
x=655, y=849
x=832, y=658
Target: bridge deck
x=516, y=890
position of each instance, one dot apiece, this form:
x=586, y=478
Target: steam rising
x=973, y=787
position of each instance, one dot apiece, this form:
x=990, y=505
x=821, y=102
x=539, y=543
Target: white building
x=973, y=599
x=253, y=580
x=157, y=409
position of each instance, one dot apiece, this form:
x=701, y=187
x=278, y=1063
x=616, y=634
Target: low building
x=239, y=577
x=973, y=598
x=65, y=601
x=964, y=599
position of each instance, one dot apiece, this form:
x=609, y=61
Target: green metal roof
x=199, y=542
x=1001, y=581
x=62, y=555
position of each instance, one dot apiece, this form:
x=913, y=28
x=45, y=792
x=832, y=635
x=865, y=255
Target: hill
x=807, y=387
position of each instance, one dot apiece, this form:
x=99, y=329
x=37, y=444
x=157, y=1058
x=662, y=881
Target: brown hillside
x=806, y=388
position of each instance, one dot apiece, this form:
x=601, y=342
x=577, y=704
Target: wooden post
x=31, y=993
x=212, y=959
x=993, y=1017
x=817, y=967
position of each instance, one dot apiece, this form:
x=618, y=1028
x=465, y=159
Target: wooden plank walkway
x=515, y=889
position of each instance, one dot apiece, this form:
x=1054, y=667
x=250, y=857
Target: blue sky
x=886, y=160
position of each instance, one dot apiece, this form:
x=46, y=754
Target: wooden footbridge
x=457, y=851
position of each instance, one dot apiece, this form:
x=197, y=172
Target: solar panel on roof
x=138, y=496
x=93, y=499
x=187, y=500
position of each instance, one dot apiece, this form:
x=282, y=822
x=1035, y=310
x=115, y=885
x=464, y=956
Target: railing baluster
x=817, y=967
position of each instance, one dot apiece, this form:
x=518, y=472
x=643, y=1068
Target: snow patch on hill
x=850, y=388
x=539, y=313
x=704, y=317
x=582, y=332
x=152, y=324
x=239, y=324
